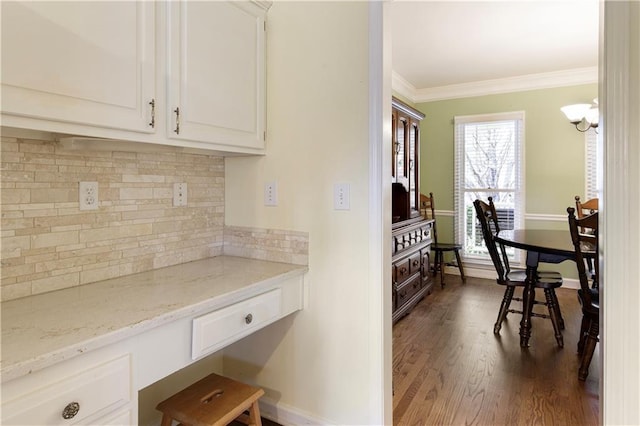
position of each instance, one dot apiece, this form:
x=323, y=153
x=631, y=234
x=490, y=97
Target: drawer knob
x=70, y=410
x=248, y=318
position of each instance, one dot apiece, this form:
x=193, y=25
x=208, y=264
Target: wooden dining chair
x=547, y=280
x=428, y=210
x=586, y=247
x=584, y=209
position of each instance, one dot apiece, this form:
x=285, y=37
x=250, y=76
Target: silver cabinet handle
x=153, y=113
x=177, y=111
x=248, y=318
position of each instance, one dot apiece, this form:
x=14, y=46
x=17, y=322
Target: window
x=488, y=162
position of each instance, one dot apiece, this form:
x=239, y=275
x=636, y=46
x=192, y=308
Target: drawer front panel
x=426, y=262
x=425, y=232
x=96, y=391
x=402, y=270
x=219, y=328
x=408, y=289
x=405, y=238
x=414, y=263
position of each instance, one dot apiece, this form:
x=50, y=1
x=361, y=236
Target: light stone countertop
x=41, y=330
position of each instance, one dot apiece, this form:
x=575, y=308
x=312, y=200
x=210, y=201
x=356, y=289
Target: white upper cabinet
x=216, y=69
x=189, y=74
x=90, y=63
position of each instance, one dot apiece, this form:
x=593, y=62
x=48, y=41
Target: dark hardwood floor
x=450, y=369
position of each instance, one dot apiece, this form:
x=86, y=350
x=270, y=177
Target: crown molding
x=522, y=83
x=403, y=87
x=265, y=5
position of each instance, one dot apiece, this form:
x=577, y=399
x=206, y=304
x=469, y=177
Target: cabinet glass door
x=413, y=175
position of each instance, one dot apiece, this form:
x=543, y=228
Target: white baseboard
x=287, y=415
x=490, y=274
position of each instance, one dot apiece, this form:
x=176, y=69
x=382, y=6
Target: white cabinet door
x=216, y=68
x=90, y=63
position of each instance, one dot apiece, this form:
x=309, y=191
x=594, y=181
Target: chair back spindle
x=428, y=211
x=488, y=219
x=584, y=234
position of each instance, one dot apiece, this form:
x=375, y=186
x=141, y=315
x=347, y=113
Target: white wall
x=620, y=242
x=319, y=362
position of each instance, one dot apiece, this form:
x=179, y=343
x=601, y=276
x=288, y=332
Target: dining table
x=541, y=245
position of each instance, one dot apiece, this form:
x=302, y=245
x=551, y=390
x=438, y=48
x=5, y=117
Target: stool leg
x=166, y=420
x=553, y=315
x=558, y=310
x=254, y=414
x=589, y=349
x=434, y=271
x=441, y=264
x=457, y=252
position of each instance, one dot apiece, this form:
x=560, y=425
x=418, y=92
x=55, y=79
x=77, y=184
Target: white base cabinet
x=186, y=74
x=79, y=392
x=104, y=382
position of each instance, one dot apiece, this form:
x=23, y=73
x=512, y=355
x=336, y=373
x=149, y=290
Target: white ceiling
x=438, y=44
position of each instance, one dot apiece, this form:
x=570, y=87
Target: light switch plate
x=179, y=194
x=271, y=194
x=341, y=196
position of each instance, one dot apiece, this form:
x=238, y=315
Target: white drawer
x=98, y=391
x=224, y=326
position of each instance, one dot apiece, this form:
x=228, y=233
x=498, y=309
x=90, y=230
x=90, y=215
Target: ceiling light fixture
x=583, y=116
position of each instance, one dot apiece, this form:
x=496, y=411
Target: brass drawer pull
x=70, y=410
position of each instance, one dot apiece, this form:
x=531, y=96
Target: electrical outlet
x=341, y=196
x=271, y=194
x=179, y=194
x=88, y=195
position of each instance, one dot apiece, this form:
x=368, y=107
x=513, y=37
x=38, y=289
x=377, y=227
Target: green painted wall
x=554, y=149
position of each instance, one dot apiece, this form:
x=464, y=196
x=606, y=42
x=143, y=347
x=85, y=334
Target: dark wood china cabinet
x=405, y=167
x=411, y=233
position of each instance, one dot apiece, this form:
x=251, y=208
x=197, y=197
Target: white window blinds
x=591, y=164
x=488, y=163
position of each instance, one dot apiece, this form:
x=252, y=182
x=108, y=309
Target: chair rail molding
x=546, y=217
x=528, y=216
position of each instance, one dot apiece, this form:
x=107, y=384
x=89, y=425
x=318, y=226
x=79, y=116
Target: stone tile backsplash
x=49, y=244
x=267, y=244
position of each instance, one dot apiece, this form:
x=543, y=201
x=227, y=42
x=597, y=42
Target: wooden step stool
x=213, y=401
